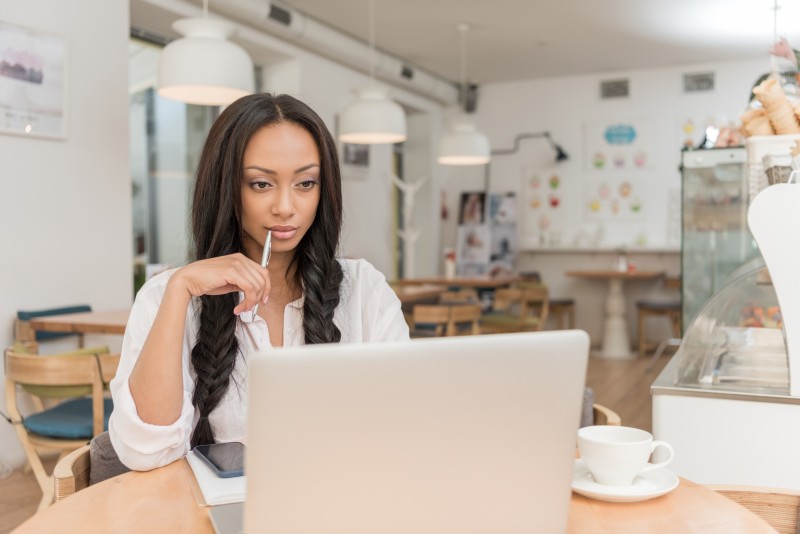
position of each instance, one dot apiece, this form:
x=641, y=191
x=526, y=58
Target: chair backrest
x=508, y=300
x=535, y=302
x=778, y=507
x=461, y=295
x=71, y=473
x=464, y=318
x=605, y=416
x=431, y=316
x=67, y=370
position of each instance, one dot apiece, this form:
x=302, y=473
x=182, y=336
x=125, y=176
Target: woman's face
x=280, y=188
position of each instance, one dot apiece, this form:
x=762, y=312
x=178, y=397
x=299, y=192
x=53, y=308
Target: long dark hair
x=217, y=231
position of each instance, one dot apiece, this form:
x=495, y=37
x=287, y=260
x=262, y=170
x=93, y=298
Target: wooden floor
x=622, y=385
x=20, y=496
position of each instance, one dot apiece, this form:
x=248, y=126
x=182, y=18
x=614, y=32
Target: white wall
x=563, y=106
x=65, y=210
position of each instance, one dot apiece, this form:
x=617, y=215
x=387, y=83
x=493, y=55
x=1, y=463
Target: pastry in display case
x=715, y=238
x=736, y=342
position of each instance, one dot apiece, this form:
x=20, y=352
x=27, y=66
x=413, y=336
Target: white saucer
x=645, y=486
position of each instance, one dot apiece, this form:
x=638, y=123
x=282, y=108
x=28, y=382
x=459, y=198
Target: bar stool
x=563, y=309
x=650, y=308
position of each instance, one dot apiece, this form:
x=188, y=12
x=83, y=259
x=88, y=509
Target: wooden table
x=410, y=294
x=478, y=282
x=616, y=342
x=106, y=322
x=163, y=501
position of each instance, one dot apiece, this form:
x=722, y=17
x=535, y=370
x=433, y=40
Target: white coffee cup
x=615, y=455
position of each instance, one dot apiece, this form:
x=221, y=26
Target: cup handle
x=657, y=444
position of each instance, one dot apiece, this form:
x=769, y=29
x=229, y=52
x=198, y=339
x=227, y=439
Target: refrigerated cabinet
x=715, y=238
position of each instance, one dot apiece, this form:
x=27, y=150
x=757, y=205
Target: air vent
x=614, y=89
x=698, y=82
x=407, y=73
x=278, y=14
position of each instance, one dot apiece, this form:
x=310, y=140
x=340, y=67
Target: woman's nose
x=284, y=203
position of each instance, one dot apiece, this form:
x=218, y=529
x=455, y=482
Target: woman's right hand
x=225, y=274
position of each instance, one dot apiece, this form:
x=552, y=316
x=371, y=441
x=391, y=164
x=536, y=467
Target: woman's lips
x=283, y=232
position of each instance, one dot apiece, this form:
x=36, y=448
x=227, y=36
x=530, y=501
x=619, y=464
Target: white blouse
x=368, y=311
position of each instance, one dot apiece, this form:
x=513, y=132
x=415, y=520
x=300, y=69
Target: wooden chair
x=71, y=473
x=605, y=416
x=778, y=507
x=563, y=309
x=464, y=320
x=430, y=320
x=68, y=425
x=517, y=310
x=460, y=296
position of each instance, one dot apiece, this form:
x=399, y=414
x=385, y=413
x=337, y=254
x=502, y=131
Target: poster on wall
x=32, y=82
x=473, y=249
x=614, y=199
x=619, y=145
x=471, y=207
x=542, y=207
x=503, y=233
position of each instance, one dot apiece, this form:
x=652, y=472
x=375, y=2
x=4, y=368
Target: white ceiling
x=526, y=39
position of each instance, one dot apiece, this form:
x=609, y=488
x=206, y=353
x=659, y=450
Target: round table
x=163, y=500
x=616, y=341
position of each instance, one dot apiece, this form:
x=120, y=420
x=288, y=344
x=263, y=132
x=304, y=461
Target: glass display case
x=736, y=343
x=715, y=238
x=732, y=387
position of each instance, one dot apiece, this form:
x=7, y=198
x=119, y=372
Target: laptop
x=445, y=436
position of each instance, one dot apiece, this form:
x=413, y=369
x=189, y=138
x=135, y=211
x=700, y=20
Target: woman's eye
x=307, y=184
x=259, y=185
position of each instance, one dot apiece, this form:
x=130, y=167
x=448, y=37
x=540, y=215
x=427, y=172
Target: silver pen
x=264, y=261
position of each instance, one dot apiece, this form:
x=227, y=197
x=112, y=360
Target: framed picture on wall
x=32, y=82
x=353, y=158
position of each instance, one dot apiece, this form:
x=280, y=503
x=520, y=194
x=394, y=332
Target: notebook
x=214, y=490
x=445, y=436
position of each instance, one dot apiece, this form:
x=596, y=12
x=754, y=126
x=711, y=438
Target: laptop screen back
x=450, y=435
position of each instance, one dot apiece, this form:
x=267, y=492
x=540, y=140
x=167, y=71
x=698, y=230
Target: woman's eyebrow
x=270, y=171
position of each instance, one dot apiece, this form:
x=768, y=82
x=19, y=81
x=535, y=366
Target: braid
x=213, y=358
x=321, y=278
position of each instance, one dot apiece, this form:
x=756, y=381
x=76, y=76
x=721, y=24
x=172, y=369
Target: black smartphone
x=226, y=459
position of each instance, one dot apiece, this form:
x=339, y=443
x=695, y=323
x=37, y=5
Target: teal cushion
x=69, y=420
x=48, y=336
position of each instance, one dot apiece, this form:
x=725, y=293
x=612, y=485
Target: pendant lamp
x=373, y=118
x=203, y=67
x=463, y=144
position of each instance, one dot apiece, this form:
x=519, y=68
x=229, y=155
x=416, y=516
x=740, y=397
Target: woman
x=269, y=164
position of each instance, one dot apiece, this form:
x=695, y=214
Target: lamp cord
x=463, y=28
x=371, y=42
x=775, y=21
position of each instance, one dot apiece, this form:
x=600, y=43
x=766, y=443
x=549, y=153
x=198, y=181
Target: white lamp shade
x=204, y=67
x=371, y=119
x=464, y=145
